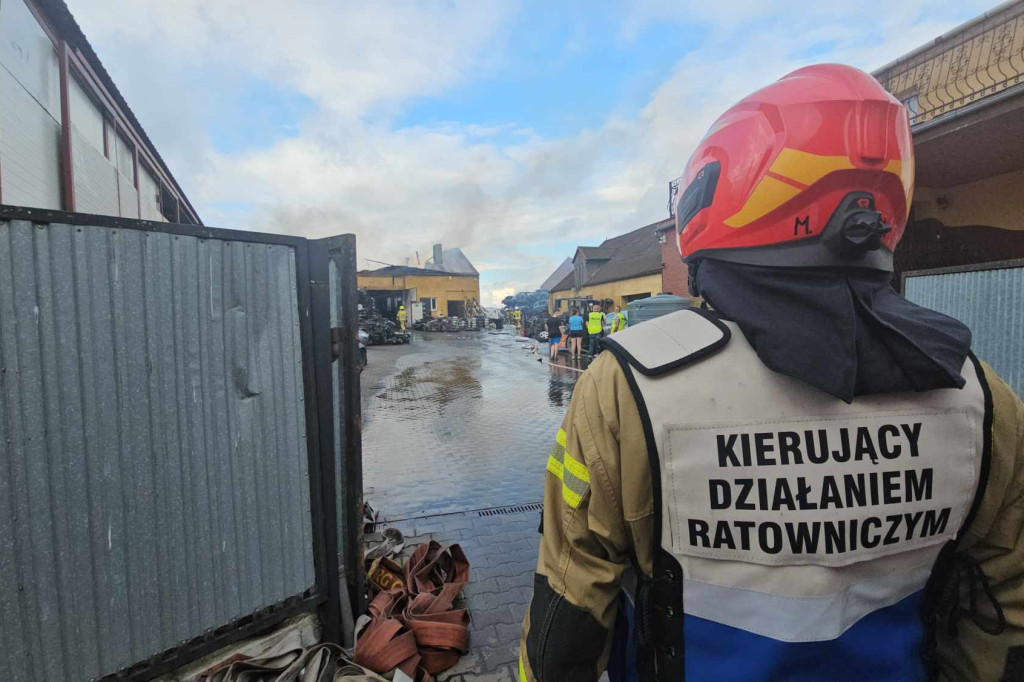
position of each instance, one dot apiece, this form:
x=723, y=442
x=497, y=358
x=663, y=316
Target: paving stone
x=495, y=658
x=509, y=633
x=520, y=580
x=497, y=615
x=518, y=611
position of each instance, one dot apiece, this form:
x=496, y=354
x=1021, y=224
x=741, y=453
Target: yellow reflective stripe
x=573, y=489
x=522, y=670
x=555, y=467
x=570, y=471
x=571, y=497
x=577, y=469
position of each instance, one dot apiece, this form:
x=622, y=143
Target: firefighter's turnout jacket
x=706, y=518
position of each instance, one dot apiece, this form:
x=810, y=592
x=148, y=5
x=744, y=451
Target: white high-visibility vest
x=797, y=532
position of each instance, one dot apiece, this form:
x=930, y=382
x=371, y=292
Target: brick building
x=674, y=272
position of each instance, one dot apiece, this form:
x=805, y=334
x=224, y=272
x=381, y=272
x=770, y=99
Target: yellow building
x=965, y=95
x=444, y=285
x=620, y=270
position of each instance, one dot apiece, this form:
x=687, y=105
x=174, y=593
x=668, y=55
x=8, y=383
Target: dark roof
x=60, y=17
x=595, y=252
x=634, y=254
x=556, y=277
x=565, y=284
x=404, y=270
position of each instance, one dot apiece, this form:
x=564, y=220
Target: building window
x=429, y=304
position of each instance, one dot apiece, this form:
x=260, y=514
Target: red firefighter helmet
x=817, y=169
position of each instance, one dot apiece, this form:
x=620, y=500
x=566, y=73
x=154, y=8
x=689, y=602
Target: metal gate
x=168, y=465
x=988, y=298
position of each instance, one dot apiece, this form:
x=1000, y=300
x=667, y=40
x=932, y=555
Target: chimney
x=438, y=258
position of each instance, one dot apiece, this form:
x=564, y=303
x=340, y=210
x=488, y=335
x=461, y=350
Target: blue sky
x=514, y=130
x=571, y=70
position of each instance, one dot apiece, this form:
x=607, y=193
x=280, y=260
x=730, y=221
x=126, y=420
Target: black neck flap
x=846, y=332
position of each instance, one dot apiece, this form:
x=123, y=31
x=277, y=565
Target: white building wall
x=29, y=110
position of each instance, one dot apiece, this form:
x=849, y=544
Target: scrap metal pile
x=381, y=330
x=451, y=324
x=534, y=327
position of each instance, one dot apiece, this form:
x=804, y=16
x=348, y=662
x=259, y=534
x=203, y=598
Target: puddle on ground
x=438, y=381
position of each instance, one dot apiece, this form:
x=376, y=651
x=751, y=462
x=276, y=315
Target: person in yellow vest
x=401, y=317
x=595, y=326
x=618, y=320
x=517, y=319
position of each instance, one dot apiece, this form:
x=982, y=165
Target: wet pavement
x=457, y=431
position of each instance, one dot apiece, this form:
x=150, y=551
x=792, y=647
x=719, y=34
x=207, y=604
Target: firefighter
x=401, y=317
x=517, y=320
x=815, y=480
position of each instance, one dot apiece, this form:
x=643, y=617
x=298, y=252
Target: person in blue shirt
x=575, y=334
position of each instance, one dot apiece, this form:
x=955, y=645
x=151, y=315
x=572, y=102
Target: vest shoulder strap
x=671, y=341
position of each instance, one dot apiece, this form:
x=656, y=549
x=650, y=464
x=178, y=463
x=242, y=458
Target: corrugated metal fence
x=155, y=476
x=988, y=298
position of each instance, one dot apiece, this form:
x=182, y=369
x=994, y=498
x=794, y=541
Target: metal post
x=350, y=421
x=320, y=440
x=67, y=162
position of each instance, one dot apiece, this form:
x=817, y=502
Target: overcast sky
x=515, y=130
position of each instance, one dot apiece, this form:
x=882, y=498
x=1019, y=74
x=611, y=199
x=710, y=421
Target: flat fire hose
x=413, y=626
x=318, y=663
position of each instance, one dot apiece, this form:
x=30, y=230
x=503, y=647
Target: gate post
x=322, y=482
x=341, y=252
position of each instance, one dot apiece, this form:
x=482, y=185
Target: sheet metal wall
x=991, y=303
x=154, y=477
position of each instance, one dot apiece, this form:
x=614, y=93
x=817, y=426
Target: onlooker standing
x=575, y=334
x=595, y=326
x=618, y=320
x=554, y=325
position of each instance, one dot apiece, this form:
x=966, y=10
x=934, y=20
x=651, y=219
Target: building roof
x=565, y=284
x=405, y=270
x=595, y=252
x=453, y=262
x=633, y=254
x=556, y=277
x=58, y=14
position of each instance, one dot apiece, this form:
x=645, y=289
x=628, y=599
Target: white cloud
x=348, y=56
x=496, y=189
